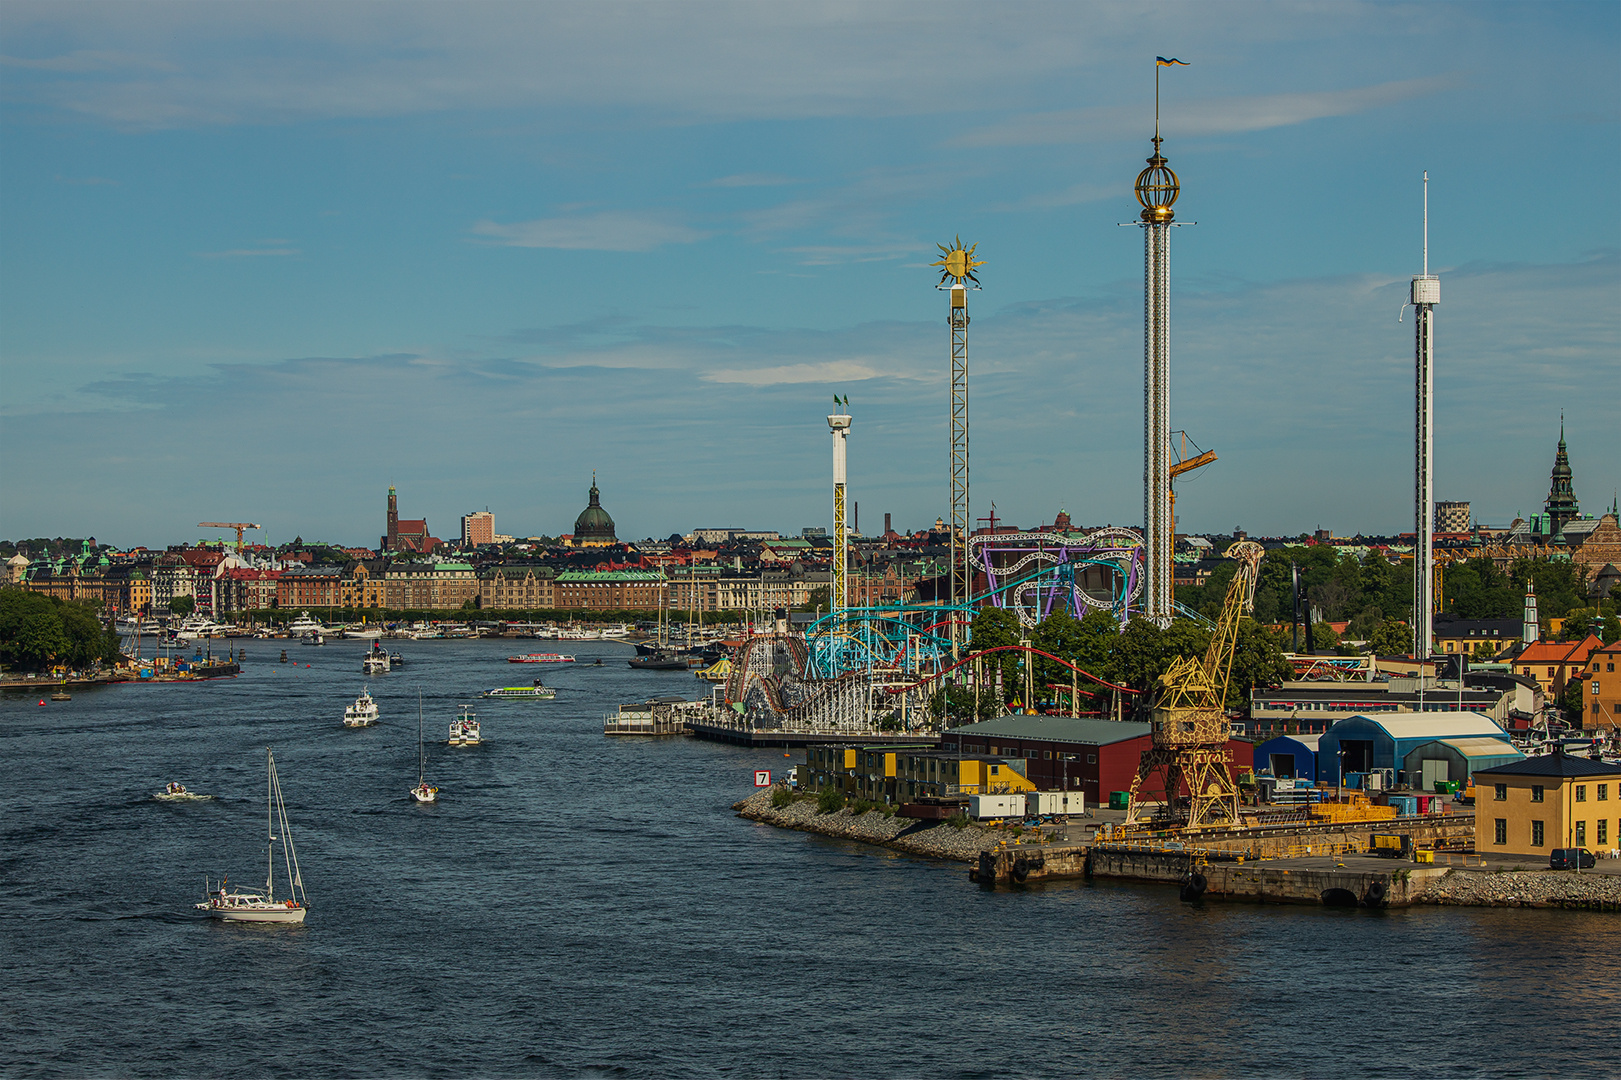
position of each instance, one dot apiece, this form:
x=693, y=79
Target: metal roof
x=1429, y=725
x=1069, y=729
x=1482, y=747
x=1562, y=765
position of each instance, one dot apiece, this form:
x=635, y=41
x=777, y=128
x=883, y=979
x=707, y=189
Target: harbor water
x=577, y=904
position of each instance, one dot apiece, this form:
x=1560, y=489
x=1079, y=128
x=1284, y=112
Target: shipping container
x=1042, y=803
x=985, y=807
x=1119, y=800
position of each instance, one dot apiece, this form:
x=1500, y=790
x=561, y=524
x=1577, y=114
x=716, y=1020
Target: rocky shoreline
x=935, y=840
x=938, y=840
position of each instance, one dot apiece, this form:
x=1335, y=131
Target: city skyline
x=320, y=255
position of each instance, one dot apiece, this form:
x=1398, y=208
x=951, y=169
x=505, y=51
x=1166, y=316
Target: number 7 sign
x=762, y=777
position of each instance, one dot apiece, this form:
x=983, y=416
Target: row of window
x=1500, y=792
x=1601, y=833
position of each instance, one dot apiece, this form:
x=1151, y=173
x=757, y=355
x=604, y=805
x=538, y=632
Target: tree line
x=38, y=632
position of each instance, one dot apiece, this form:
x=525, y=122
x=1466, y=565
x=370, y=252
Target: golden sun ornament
x=957, y=262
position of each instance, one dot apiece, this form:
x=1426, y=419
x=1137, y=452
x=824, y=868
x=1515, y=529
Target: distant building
x=1451, y=517
x=1530, y=807
x=478, y=528
x=406, y=534
x=1603, y=697
x=594, y=528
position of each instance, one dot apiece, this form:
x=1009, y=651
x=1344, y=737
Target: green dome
x=594, y=522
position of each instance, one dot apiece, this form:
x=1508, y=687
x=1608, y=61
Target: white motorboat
x=195, y=627
x=221, y=903
x=176, y=792
x=423, y=792
x=304, y=625
x=464, y=730
x=365, y=633
x=363, y=713
x=375, y=663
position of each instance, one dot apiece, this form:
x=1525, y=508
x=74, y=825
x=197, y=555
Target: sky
x=259, y=261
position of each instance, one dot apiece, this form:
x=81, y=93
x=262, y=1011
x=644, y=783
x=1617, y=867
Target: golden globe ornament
x=957, y=263
x=1157, y=189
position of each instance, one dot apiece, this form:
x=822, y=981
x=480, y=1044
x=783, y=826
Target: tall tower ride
x=957, y=265
x=839, y=425
x=1157, y=191
x=1426, y=293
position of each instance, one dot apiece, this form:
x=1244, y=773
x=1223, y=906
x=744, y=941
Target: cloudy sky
x=260, y=261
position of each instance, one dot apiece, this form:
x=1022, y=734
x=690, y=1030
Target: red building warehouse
x=1066, y=753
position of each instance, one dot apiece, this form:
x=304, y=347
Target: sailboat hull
x=251, y=911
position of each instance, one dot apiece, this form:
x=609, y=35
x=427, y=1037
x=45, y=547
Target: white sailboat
x=264, y=907
x=422, y=793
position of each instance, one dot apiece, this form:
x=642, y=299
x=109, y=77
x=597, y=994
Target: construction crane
x=1183, y=465
x=1190, y=715
x=239, y=526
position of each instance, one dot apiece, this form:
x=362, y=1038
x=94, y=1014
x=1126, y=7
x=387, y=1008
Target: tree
x=1084, y=642
x=1573, y=702
x=38, y=631
x=183, y=605
x=1323, y=636
x=1258, y=660
x=994, y=626
x=1391, y=638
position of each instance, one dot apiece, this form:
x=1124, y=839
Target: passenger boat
x=264, y=907
x=541, y=658
x=304, y=625
x=376, y=660
x=176, y=792
x=363, y=713
x=464, y=730
x=423, y=792
x=544, y=692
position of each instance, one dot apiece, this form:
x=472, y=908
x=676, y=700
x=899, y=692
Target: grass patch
x=830, y=801
x=958, y=821
x=781, y=797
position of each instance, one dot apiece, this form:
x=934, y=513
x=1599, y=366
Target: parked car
x=1571, y=858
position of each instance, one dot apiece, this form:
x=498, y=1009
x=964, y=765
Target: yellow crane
x=239, y=526
x=1189, y=737
x=1185, y=465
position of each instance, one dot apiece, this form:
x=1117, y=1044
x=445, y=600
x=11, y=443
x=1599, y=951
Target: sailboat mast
x=270, y=824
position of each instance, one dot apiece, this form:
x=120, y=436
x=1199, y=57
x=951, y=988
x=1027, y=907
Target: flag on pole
x=1160, y=61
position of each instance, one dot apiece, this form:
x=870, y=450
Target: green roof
x=1068, y=729
x=609, y=576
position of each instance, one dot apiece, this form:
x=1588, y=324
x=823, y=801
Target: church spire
x=1561, y=505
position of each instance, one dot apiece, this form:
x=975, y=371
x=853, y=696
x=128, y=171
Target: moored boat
x=541, y=658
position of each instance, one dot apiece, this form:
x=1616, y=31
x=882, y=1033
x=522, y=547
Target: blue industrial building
x=1288, y=756
x=1362, y=744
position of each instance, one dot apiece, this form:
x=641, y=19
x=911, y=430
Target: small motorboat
x=363, y=713
x=396, y=660
x=176, y=792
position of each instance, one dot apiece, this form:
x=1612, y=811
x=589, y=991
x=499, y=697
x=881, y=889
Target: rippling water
x=578, y=904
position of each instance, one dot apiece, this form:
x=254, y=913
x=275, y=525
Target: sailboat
x=422, y=793
x=264, y=907
x=662, y=658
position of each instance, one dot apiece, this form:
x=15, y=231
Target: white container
x=1040, y=803
x=984, y=807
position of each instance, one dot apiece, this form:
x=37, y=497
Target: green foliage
x=1484, y=651
x=1561, y=585
x=1476, y=589
x=1086, y=643
x=183, y=605
x=1322, y=636
x=992, y=627
x=1258, y=660
x=38, y=631
x=1391, y=638
x=958, y=821
x=820, y=600
x=781, y=797
x=829, y=801
x=1572, y=701
x=1144, y=652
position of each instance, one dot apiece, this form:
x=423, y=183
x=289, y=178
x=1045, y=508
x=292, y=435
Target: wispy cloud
x=606, y=231
x=1209, y=116
x=1073, y=195
x=250, y=253
x=741, y=180
x=828, y=371
x=839, y=254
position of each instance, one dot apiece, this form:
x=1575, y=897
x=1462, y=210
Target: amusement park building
x=1063, y=753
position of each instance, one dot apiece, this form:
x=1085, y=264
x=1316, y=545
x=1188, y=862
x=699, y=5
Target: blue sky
x=260, y=261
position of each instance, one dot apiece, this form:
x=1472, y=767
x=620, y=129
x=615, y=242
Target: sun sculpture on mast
x=957, y=263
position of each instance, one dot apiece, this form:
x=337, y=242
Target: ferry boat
x=264, y=907
x=544, y=692
x=376, y=660
x=363, y=713
x=464, y=730
x=541, y=658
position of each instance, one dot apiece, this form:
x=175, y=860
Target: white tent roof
x=1433, y=725
x=1482, y=747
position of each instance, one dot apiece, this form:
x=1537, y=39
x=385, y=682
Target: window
x=1500, y=832
x=1604, y=793
x=995, y=769
x=1595, y=686
x=1500, y=792
x=1091, y=759
x=1029, y=753
x=1536, y=792
x=1046, y=755
x=1581, y=834
x=1603, y=832
x=1581, y=792
x=1536, y=834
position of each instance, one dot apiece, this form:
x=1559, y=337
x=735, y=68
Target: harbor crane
x=1184, y=464
x=239, y=526
x=1190, y=730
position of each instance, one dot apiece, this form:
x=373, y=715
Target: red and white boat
x=541, y=658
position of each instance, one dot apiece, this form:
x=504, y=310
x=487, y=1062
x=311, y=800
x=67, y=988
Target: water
x=584, y=905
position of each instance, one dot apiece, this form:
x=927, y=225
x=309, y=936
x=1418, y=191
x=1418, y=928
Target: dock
x=739, y=735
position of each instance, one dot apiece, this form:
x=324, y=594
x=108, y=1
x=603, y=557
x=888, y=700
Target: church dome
x=594, y=526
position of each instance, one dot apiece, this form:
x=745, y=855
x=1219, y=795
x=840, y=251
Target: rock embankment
x=937, y=840
x=1535, y=889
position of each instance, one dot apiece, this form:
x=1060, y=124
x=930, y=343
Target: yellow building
x=1532, y=806
x=899, y=774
